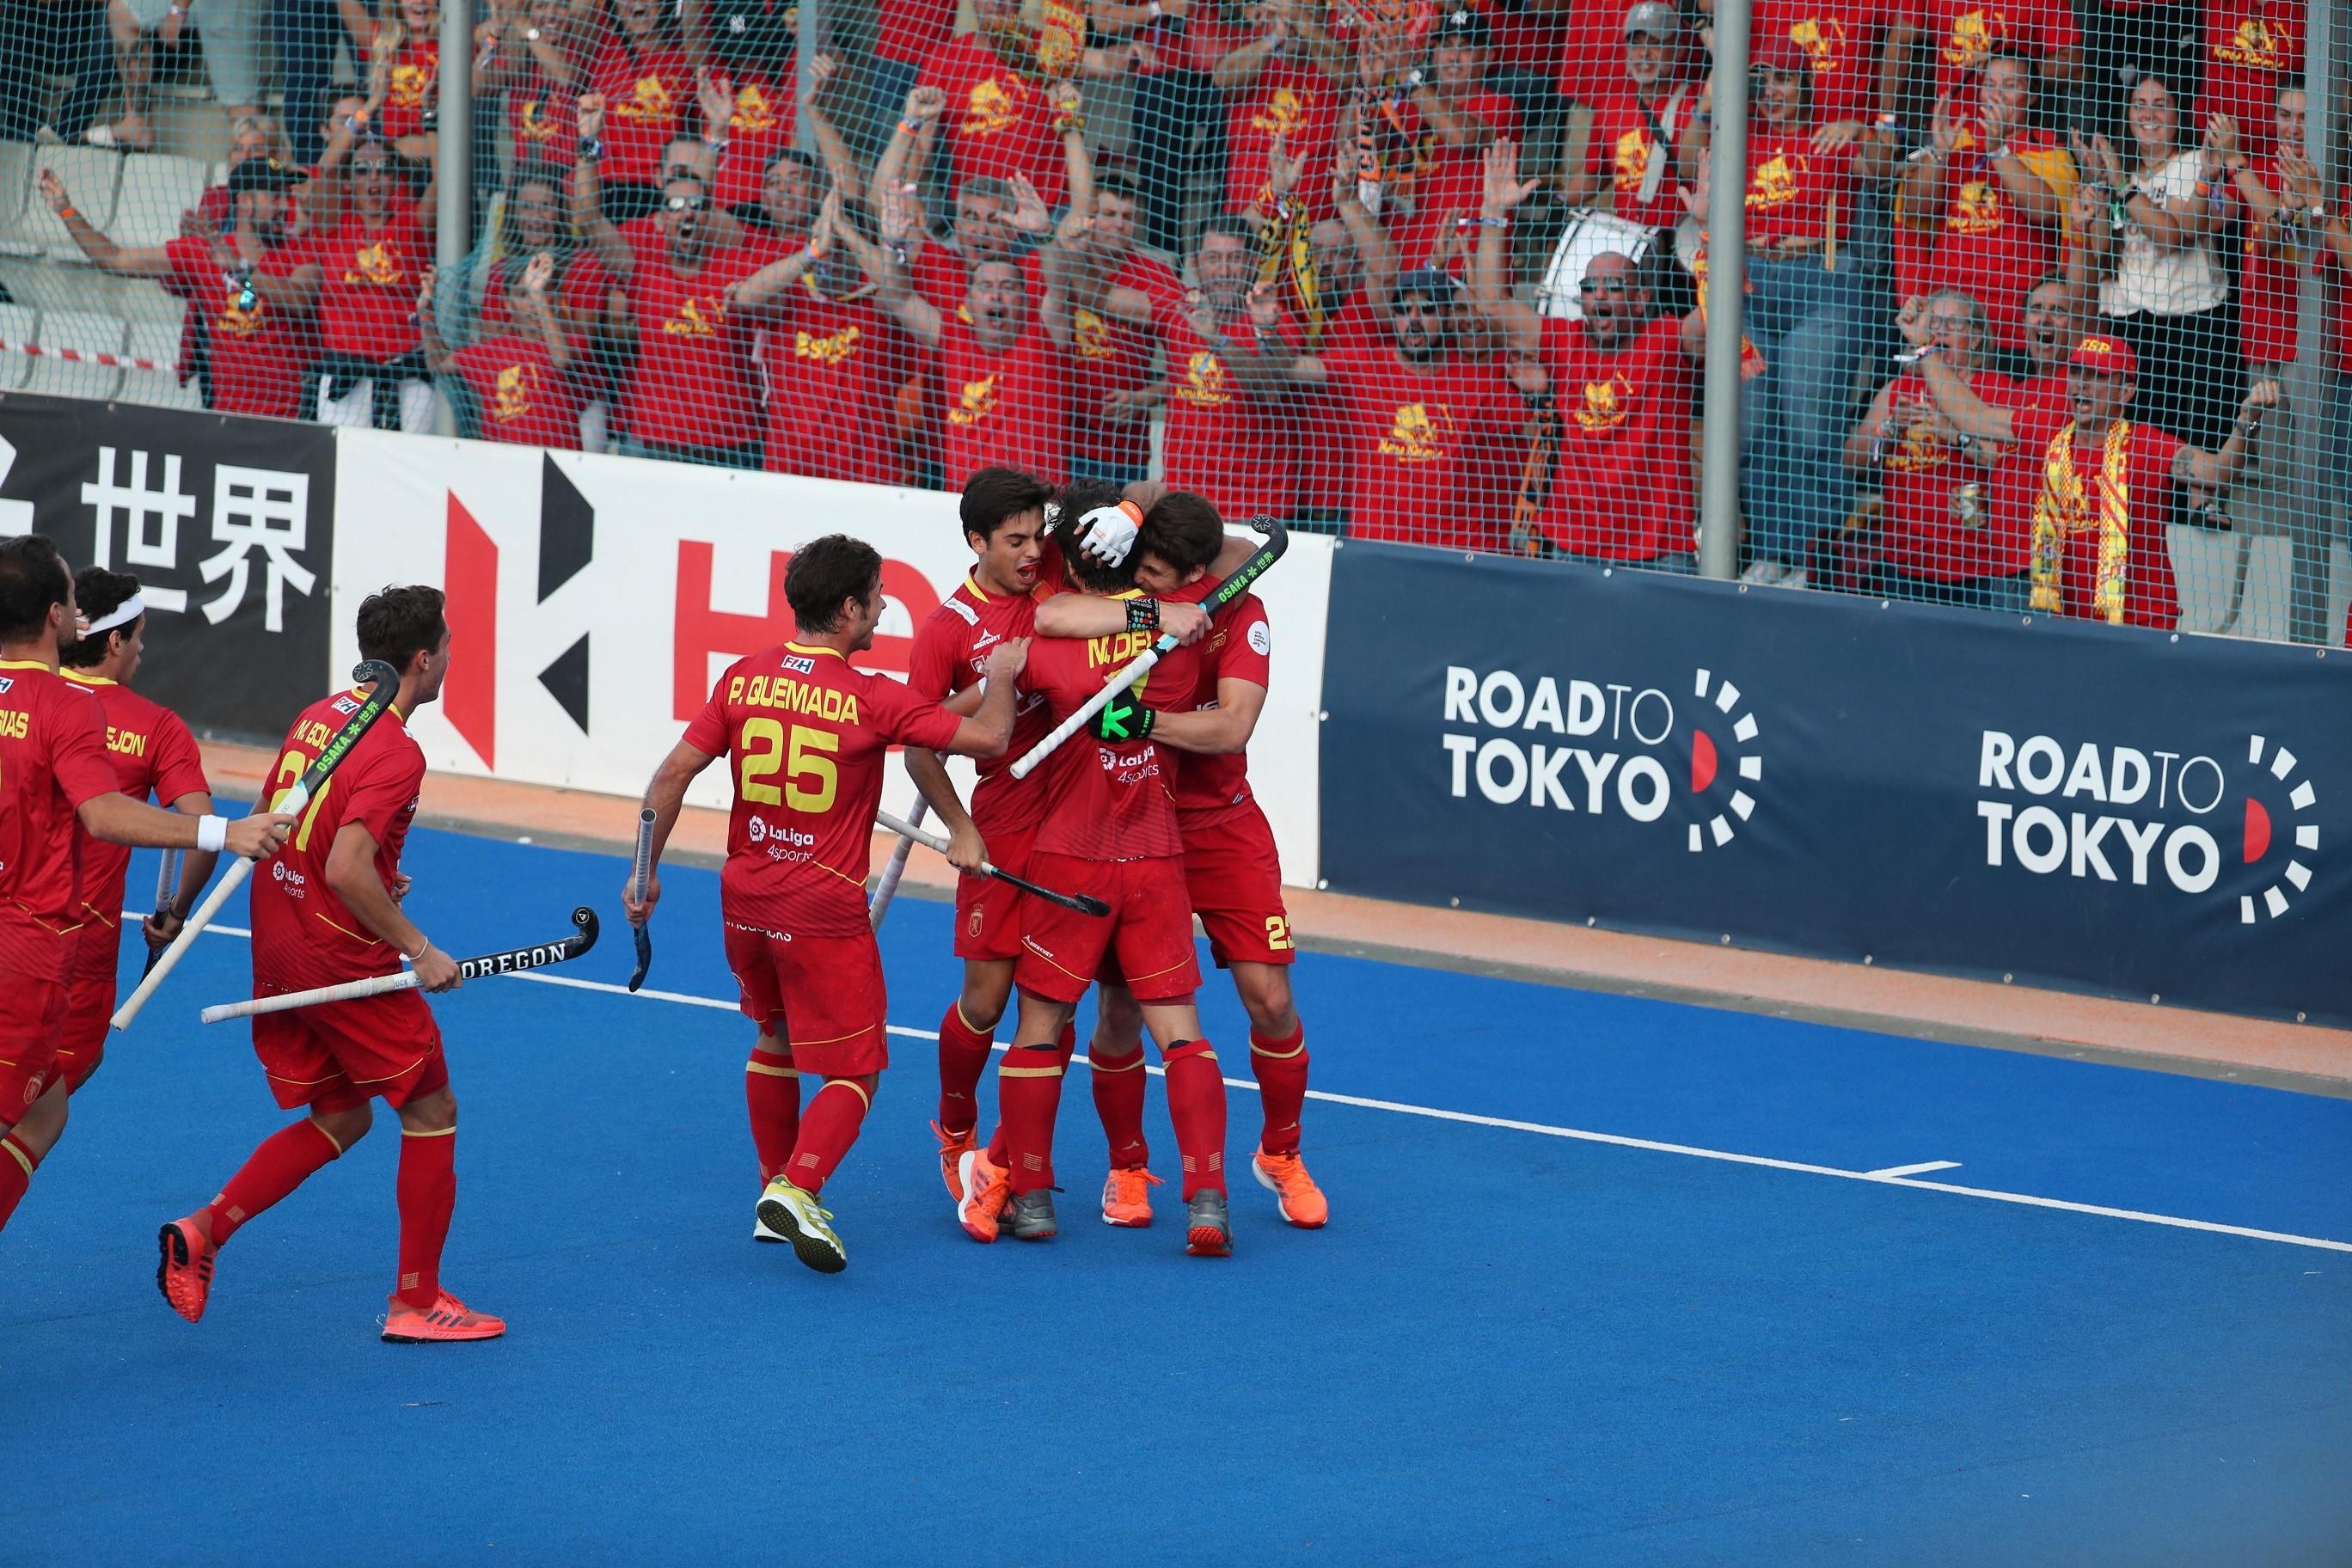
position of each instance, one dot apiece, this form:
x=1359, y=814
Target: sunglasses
x=1602, y=286
x=686, y=203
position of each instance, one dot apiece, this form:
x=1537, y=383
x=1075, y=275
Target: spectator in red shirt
x=1275, y=73
x=2107, y=483
x=997, y=118
x=2253, y=50
x=905, y=34
x=1449, y=120
x=518, y=385
x=403, y=79
x=1629, y=150
x=1168, y=48
x=1987, y=194
x=1614, y=481
x=254, y=348
x=1117, y=294
x=1965, y=33
x=689, y=395
x=371, y=240
x=1860, y=51
x=647, y=87
x=539, y=61
x=746, y=77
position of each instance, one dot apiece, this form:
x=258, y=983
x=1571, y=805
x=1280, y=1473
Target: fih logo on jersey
x=799, y=665
x=6, y=682
x=1627, y=746
x=2150, y=817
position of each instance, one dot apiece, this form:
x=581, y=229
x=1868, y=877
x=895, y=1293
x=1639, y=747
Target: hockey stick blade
x=642, y=879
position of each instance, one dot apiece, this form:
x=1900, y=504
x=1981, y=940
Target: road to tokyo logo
x=2164, y=817
x=1626, y=752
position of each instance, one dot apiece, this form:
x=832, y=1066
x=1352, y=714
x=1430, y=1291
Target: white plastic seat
x=17, y=324
x=91, y=175
x=156, y=189
x=85, y=331
x=15, y=181
x=156, y=342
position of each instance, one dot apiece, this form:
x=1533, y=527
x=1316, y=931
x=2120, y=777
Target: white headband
x=123, y=615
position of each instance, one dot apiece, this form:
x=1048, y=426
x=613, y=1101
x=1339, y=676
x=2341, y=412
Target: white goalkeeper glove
x=1110, y=531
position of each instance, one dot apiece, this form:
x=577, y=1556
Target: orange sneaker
x=1126, y=1196
x=447, y=1319
x=1302, y=1203
x=186, y=1274
x=986, y=1190
x=953, y=1147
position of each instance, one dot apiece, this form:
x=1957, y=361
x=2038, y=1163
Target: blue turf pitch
x=1507, y=1348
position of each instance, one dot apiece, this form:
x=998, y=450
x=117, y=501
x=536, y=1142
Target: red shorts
x=1149, y=931
x=90, y=992
x=32, y=1013
x=1234, y=879
x=988, y=913
x=339, y=1054
x=822, y=995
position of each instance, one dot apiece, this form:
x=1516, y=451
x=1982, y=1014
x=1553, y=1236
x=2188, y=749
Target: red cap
x=2106, y=355
x=1781, y=53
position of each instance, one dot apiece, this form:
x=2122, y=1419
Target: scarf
x=1543, y=429
x=2063, y=507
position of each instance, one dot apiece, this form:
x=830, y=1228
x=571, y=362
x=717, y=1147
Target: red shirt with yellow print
x=152, y=753
x=997, y=121
x=1794, y=193
x=1007, y=408
x=255, y=355
x=1115, y=356
x=368, y=278
x=691, y=385
x=648, y=98
x=1427, y=442
x=52, y=763
x=833, y=369
x=1296, y=102
x=521, y=395
x=1223, y=442
x=2250, y=46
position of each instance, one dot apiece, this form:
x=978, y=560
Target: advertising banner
x=593, y=600
x=2133, y=814
x=227, y=523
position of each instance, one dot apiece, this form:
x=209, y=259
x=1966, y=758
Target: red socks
x=1119, y=1099
x=963, y=1057
x=1196, y=1104
x=1065, y=1048
x=834, y=1115
x=16, y=1166
x=1280, y=1067
x=427, y=1192
x=1028, y=1094
x=771, y=1088
x=286, y=1159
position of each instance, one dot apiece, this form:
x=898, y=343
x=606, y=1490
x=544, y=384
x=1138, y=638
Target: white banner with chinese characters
x=227, y=524
x=595, y=599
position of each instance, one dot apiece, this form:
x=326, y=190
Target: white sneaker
x=1763, y=572
x=760, y=1230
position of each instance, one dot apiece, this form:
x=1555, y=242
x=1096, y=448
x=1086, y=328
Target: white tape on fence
x=595, y=599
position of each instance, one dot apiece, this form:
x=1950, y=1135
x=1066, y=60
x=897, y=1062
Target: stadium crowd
x=2021, y=278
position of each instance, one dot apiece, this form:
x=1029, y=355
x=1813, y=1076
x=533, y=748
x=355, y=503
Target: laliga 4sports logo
x=1601, y=748
x=2119, y=814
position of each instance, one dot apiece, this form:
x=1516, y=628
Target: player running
x=1003, y=517
x=151, y=753
x=53, y=777
x=806, y=735
x=1109, y=830
x=1232, y=872
x=331, y=910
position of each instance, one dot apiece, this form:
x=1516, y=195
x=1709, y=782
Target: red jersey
x=2250, y=46
x=1002, y=408
x=648, y=97
x=303, y=934
x=2270, y=279
x=1106, y=801
x=1326, y=459
x=767, y=119
x=1427, y=442
x=1963, y=34
x=1448, y=182
x=805, y=737
x=52, y=763
x=543, y=118
x=831, y=369
x=691, y=385
x=410, y=89
x=152, y=753
x=1581, y=46
x=1627, y=134
x=2149, y=599
x=1296, y=102
x=368, y=278
x=1113, y=356
x=1239, y=646
x=1621, y=485
x=523, y=396
x=1792, y=191
x=1841, y=41
x=1984, y=246
x=255, y=355
x=908, y=30
x=2017, y=478
x=997, y=121
x=1223, y=442
x=1943, y=519
x=951, y=650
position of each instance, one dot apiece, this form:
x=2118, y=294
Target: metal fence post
x=2315, y=488
x=1727, y=282
x=454, y=154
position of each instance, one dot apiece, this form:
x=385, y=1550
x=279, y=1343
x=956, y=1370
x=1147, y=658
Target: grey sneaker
x=1030, y=1215
x=1207, y=1232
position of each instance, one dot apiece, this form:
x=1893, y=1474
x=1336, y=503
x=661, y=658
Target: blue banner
x=2125, y=813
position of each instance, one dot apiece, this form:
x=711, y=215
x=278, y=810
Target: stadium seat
x=143, y=300
x=76, y=330
x=162, y=389
x=91, y=175
x=17, y=323
x=15, y=184
x=156, y=189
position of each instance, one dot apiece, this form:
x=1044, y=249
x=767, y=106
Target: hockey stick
x=886, y=888
x=643, y=875
x=383, y=683
x=513, y=961
x=1085, y=903
x=167, y=882
x=1277, y=540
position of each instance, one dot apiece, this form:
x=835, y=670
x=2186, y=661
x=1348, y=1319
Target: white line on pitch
x=1919, y=1170
x=1896, y=1177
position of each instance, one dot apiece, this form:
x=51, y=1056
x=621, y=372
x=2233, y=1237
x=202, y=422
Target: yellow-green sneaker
x=795, y=1215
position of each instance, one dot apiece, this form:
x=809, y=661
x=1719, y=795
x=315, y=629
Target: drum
x=1589, y=234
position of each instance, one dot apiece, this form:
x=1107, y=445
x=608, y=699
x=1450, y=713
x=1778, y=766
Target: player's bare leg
x=1117, y=1055
x=771, y=1092
x=788, y=1206
x=1279, y=1062
x=967, y=1042
x=420, y=1311
x=1196, y=1104
x=25, y=1145
x=284, y=1159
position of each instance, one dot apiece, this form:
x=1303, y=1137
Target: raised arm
x=840, y=163
x=1490, y=272
x=2216, y=470
x=901, y=164
x=143, y=261
x=588, y=195
x=1970, y=415
x=899, y=217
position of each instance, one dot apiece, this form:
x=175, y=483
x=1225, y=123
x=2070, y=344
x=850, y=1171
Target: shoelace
x=1135, y=1185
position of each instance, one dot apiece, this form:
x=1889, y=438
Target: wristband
x=1143, y=614
x=591, y=149
x=717, y=148
x=65, y=212
x=211, y=834
x=910, y=126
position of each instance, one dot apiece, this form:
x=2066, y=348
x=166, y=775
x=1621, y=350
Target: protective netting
x=2045, y=307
